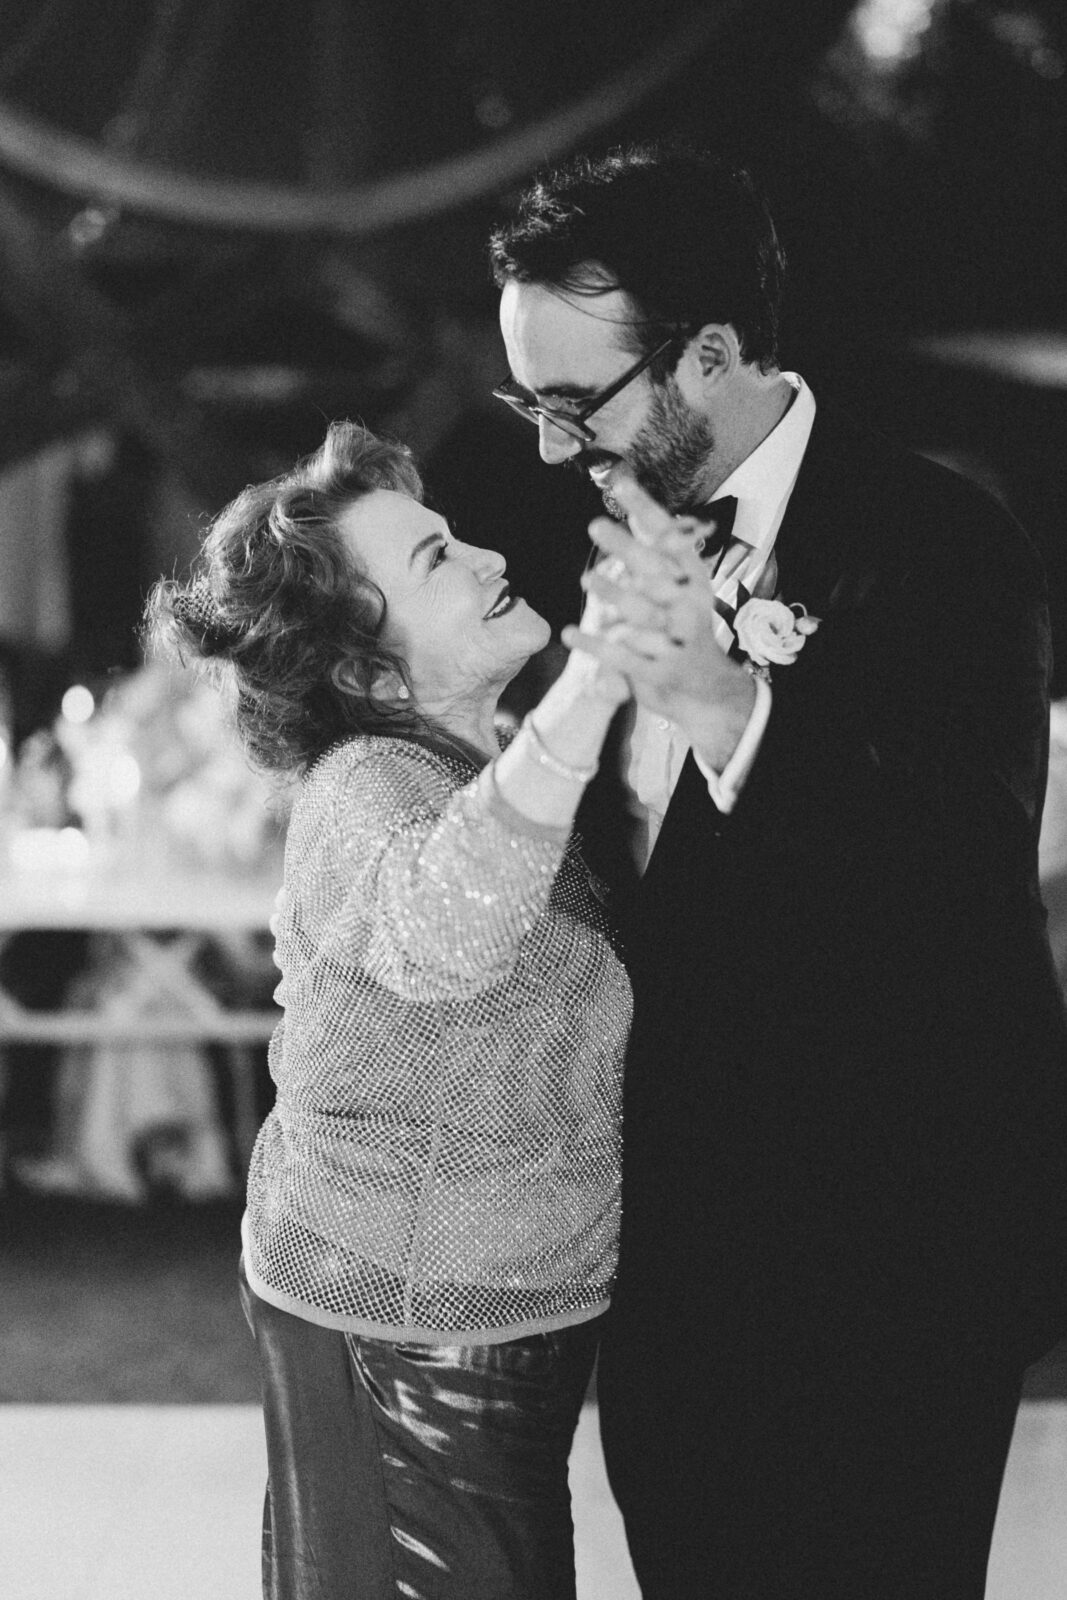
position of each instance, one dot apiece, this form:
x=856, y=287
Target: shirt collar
x=764, y=480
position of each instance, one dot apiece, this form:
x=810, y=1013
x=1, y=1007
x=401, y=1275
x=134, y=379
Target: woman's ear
x=344, y=676
x=385, y=684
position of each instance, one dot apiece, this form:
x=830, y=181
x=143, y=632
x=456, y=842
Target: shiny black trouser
x=419, y=1471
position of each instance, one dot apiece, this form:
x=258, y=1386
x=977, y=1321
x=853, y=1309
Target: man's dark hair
x=687, y=236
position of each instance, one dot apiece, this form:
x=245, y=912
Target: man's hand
x=655, y=622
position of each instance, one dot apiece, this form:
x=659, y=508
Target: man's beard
x=670, y=456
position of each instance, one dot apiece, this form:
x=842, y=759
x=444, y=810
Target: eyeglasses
x=572, y=423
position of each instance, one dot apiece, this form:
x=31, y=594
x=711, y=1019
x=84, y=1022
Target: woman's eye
x=437, y=557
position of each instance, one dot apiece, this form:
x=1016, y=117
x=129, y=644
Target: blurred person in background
x=430, y=1236
x=844, y=1196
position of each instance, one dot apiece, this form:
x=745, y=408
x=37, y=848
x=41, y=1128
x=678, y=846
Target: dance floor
x=134, y=1502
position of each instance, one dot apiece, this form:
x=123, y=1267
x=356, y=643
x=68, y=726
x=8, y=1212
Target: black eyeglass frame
x=573, y=423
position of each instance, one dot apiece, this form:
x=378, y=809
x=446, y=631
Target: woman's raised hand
x=656, y=622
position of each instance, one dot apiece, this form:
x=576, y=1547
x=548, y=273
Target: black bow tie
x=718, y=517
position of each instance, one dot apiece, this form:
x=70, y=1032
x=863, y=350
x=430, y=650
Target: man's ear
x=716, y=351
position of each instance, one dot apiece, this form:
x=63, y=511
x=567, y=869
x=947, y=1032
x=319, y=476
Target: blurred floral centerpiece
x=155, y=778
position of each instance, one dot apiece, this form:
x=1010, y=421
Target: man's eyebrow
x=569, y=391
x=558, y=391
x=424, y=544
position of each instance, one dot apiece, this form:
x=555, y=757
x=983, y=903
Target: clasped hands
x=651, y=619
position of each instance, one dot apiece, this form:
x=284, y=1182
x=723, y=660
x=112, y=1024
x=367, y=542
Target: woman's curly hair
x=278, y=597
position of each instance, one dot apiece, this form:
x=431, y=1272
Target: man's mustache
x=585, y=460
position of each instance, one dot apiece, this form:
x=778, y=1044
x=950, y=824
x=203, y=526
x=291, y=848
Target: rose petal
x=770, y=632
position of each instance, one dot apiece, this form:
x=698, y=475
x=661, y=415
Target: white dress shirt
x=762, y=485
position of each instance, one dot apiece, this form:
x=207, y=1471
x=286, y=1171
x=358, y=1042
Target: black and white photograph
x=533, y=800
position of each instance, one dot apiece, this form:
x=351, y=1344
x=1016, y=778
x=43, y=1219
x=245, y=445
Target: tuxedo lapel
x=834, y=541
x=831, y=543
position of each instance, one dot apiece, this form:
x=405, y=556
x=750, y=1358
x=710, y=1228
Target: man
x=846, y=1110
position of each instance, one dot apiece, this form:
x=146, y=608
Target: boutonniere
x=771, y=633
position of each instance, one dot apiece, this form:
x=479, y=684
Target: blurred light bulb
x=77, y=705
x=124, y=779
x=73, y=847
x=36, y=850
x=889, y=31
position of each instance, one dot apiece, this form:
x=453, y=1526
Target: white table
x=161, y=924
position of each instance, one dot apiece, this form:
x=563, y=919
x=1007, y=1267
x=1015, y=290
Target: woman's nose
x=488, y=564
x=554, y=444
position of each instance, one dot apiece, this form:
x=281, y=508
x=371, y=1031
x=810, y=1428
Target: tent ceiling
x=222, y=219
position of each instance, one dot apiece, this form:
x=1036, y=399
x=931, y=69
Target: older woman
x=433, y=1202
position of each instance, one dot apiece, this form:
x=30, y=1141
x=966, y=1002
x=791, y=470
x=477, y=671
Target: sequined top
x=442, y=1162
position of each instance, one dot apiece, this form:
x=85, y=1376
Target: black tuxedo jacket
x=848, y=1072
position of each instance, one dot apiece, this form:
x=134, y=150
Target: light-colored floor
x=163, y=1503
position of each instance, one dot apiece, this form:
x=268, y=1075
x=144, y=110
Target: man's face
x=564, y=349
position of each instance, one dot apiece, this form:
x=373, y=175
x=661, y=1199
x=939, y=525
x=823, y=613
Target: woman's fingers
x=649, y=522
x=627, y=562
x=661, y=600
x=654, y=591
x=621, y=646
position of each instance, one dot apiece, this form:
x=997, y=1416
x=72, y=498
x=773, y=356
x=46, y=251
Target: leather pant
x=424, y=1471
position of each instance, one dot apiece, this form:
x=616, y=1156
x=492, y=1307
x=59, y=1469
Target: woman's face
x=449, y=612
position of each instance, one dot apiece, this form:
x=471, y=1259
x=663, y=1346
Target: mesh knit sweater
x=442, y=1160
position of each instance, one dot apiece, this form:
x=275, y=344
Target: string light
x=889, y=31
x=77, y=705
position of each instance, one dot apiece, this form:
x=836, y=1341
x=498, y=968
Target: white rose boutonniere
x=772, y=633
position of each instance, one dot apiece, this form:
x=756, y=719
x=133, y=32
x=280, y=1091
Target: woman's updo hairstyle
x=278, y=597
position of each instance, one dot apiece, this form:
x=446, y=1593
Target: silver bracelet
x=551, y=763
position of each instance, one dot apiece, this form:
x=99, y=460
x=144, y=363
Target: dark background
x=913, y=157
x=912, y=150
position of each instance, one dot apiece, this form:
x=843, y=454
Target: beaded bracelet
x=546, y=759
